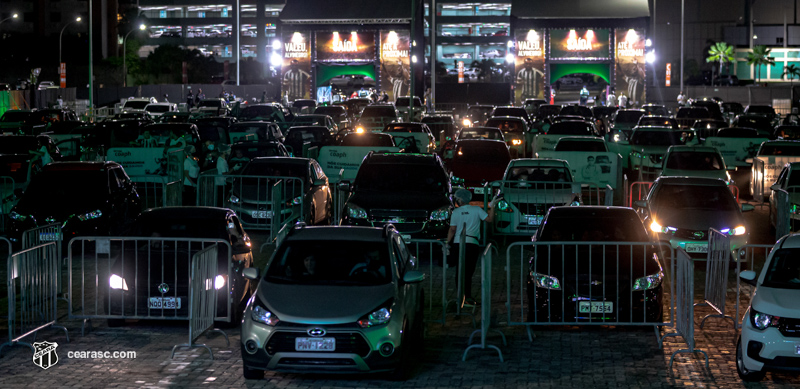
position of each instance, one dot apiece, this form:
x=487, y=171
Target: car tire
x=252, y=374
x=402, y=371
x=744, y=373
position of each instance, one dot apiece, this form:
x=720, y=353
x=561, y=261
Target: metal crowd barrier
x=140, y=277
x=486, y=306
x=749, y=255
x=638, y=191
x=262, y=202
x=5, y=255
x=561, y=305
x=32, y=293
x=432, y=251
x=757, y=180
x=7, y=199
x=202, y=298
x=158, y=191
x=684, y=305
x=783, y=214
x=46, y=234
x=717, y=264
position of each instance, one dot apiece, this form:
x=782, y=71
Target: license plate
x=164, y=303
x=315, y=344
x=478, y=190
x=697, y=248
x=534, y=220
x=49, y=236
x=595, y=307
x=261, y=214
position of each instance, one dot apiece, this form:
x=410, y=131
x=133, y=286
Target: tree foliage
x=758, y=57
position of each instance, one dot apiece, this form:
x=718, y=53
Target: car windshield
x=538, y=174
x=677, y=197
x=135, y=104
x=570, y=128
x=577, y=145
x=655, y=110
x=657, y=121
x=480, y=134
x=784, y=269
x=58, y=187
x=271, y=169
x=780, y=150
x=628, y=116
x=331, y=262
x=401, y=177
x=10, y=116
x=506, y=125
x=788, y=132
x=692, y=113
x=492, y=154
x=379, y=111
x=620, y=227
x=251, y=113
x=695, y=160
x=576, y=110
x=656, y=138
x=403, y=102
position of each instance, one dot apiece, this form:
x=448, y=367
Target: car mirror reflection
x=412, y=276
x=250, y=273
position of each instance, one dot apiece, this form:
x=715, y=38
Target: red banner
x=62, y=74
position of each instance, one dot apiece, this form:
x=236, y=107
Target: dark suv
x=85, y=198
x=411, y=191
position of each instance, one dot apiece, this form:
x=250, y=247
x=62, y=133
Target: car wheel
x=744, y=374
x=252, y=374
x=402, y=371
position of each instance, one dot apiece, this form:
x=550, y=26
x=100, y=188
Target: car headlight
x=762, y=320
x=295, y=201
x=262, y=315
x=648, y=282
x=545, y=281
x=14, y=215
x=219, y=282
x=739, y=230
x=441, y=214
x=516, y=142
x=381, y=316
x=117, y=282
x=655, y=227
x=616, y=137
x=234, y=200
x=356, y=212
x=466, y=123
x=90, y=215
x=503, y=206
x=359, y=130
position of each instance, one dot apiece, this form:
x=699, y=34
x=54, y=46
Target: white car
x=157, y=109
x=137, y=104
x=769, y=339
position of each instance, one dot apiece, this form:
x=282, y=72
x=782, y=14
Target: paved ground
x=559, y=357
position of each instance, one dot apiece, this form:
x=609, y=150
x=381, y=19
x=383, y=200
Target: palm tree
x=760, y=56
x=791, y=72
x=721, y=52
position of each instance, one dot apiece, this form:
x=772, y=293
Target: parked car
x=297, y=137
x=763, y=124
x=617, y=278
x=132, y=283
x=335, y=299
x=686, y=116
x=367, y=139
x=648, y=146
x=788, y=181
x=477, y=162
x=657, y=121
x=695, y=161
x=403, y=106
x=623, y=121
x=243, y=152
x=442, y=126
x=768, y=340
x=477, y=115
x=157, y=109
x=411, y=191
x=708, y=127
x=681, y=210
x=137, y=104
x=516, y=133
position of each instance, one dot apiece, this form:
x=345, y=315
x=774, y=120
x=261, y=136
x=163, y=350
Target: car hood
x=59, y=209
x=397, y=199
x=323, y=304
x=699, y=219
x=650, y=149
x=721, y=174
x=547, y=194
x=776, y=301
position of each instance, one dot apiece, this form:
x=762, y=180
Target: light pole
x=78, y=19
x=125, y=55
x=14, y=16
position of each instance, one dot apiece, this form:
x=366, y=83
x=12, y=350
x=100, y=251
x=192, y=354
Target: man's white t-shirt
x=222, y=168
x=191, y=166
x=471, y=216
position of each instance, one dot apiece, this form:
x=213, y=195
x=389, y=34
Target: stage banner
x=579, y=44
x=395, y=63
x=529, y=66
x=345, y=46
x=296, y=69
x=630, y=71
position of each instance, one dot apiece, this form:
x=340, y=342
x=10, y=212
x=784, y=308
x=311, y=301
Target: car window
x=782, y=177
x=676, y=198
x=401, y=252
x=331, y=262
x=784, y=269
x=694, y=161
x=116, y=181
x=616, y=228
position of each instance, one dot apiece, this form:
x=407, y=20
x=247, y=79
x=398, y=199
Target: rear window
x=694, y=161
x=570, y=128
x=576, y=145
x=490, y=154
x=576, y=110
x=628, y=116
x=506, y=125
x=518, y=112
x=780, y=150
x=693, y=113
x=251, y=113
x=761, y=110
x=374, y=111
x=656, y=138
x=404, y=101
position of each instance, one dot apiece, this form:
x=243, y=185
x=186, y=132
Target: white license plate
x=49, y=236
x=261, y=214
x=534, y=220
x=595, y=307
x=164, y=303
x=315, y=344
x=478, y=190
x=697, y=247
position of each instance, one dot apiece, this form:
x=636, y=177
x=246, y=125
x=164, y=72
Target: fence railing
x=637, y=191
x=783, y=213
x=143, y=278
x=590, y=282
x=7, y=200
x=158, y=191
x=32, y=293
x=758, y=180
x=432, y=252
x=717, y=266
x=202, y=298
x=46, y=234
x=486, y=306
x=684, y=305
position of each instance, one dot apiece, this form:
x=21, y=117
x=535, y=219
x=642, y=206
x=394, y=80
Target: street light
x=125, y=55
x=78, y=19
x=14, y=16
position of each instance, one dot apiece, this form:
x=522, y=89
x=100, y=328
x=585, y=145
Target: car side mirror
x=748, y=277
x=775, y=186
x=344, y=186
x=640, y=204
x=748, y=207
x=320, y=181
x=250, y=273
x=412, y=277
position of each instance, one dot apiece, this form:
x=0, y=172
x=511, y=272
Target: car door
x=780, y=183
x=404, y=261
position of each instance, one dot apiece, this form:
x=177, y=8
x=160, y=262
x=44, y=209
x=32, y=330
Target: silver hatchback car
x=335, y=300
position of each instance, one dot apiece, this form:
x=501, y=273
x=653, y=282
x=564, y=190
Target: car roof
x=186, y=212
x=551, y=162
x=517, y=118
x=581, y=139
x=339, y=233
x=384, y=158
x=699, y=181
x=605, y=211
x=480, y=142
x=690, y=149
x=74, y=166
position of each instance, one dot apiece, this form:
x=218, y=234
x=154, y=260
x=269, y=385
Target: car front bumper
x=768, y=349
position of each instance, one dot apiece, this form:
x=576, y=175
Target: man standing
x=468, y=217
x=623, y=101
x=294, y=81
x=681, y=99
x=584, y=95
x=428, y=101
x=611, y=100
x=527, y=80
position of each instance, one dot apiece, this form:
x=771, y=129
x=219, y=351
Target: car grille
x=411, y=215
x=683, y=233
x=596, y=286
x=534, y=209
x=346, y=342
x=790, y=327
x=317, y=362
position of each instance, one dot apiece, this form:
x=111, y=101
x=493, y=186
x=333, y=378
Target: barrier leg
x=203, y=345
